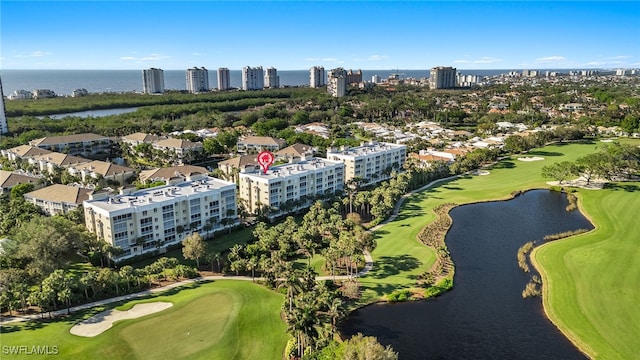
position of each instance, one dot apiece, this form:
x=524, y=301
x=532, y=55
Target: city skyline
x=298, y=35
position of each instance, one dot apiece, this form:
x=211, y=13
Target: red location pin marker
x=265, y=159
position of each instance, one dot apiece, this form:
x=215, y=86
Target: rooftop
x=297, y=168
x=160, y=194
x=61, y=194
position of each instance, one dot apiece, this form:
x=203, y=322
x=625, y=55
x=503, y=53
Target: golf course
x=218, y=320
x=591, y=282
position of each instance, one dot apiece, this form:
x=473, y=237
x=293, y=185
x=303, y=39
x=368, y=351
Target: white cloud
x=196, y=54
x=549, y=59
x=152, y=57
x=487, y=60
x=38, y=53
x=377, y=57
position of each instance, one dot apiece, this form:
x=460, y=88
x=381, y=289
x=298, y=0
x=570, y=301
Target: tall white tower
x=271, y=78
x=252, y=78
x=4, y=128
x=197, y=80
x=317, y=77
x=153, y=81
x=224, y=82
x=337, y=82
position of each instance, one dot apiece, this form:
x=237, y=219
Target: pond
x=93, y=113
x=484, y=316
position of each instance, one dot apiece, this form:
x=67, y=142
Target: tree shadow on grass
x=621, y=186
x=545, y=153
x=504, y=165
x=386, y=266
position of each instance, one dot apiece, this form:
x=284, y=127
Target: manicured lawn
x=220, y=320
x=592, y=281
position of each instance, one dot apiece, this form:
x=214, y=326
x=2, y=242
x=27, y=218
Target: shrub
x=522, y=256
x=565, y=234
x=399, y=295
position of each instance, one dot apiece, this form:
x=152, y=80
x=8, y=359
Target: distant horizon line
x=396, y=69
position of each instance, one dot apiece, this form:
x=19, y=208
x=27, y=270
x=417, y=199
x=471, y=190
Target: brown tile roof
x=28, y=151
x=10, y=179
x=177, y=143
x=263, y=140
x=240, y=161
x=61, y=159
x=296, y=150
x=170, y=172
x=428, y=157
x=60, y=193
x=105, y=168
x=141, y=137
x=65, y=139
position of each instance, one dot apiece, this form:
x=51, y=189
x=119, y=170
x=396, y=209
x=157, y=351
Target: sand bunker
x=103, y=321
x=481, y=172
x=530, y=158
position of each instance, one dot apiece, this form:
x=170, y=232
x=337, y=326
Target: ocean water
x=63, y=82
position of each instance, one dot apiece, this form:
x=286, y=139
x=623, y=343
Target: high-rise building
x=4, y=128
x=197, y=80
x=271, y=78
x=354, y=77
x=442, y=77
x=153, y=81
x=224, y=82
x=252, y=78
x=317, y=77
x=337, y=82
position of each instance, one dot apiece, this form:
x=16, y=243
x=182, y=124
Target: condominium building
x=371, y=162
x=317, y=77
x=291, y=186
x=271, y=78
x=354, y=77
x=153, y=81
x=252, y=78
x=4, y=128
x=88, y=145
x=224, y=79
x=57, y=198
x=442, y=77
x=337, y=82
x=255, y=144
x=197, y=80
x=154, y=218
x=10, y=179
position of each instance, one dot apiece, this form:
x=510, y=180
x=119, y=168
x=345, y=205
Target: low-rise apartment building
x=183, y=151
x=256, y=144
x=294, y=185
x=9, y=179
x=152, y=219
x=22, y=152
x=86, y=145
x=371, y=162
x=105, y=170
x=57, y=198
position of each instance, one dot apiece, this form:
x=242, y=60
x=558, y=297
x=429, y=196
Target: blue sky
x=299, y=34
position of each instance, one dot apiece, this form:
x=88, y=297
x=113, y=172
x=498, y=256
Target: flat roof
x=367, y=149
x=291, y=169
x=146, y=197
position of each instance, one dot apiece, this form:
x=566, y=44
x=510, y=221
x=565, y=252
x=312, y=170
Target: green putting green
x=220, y=320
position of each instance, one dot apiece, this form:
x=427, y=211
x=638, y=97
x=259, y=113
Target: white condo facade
x=197, y=80
x=294, y=185
x=271, y=78
x=153, y=81
x=4, y=128
x=317, y=77
x=371, y=162
x=337, y=82
x=224, y=79
x=442, y=77
x=252, y=78
x=152, y=219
